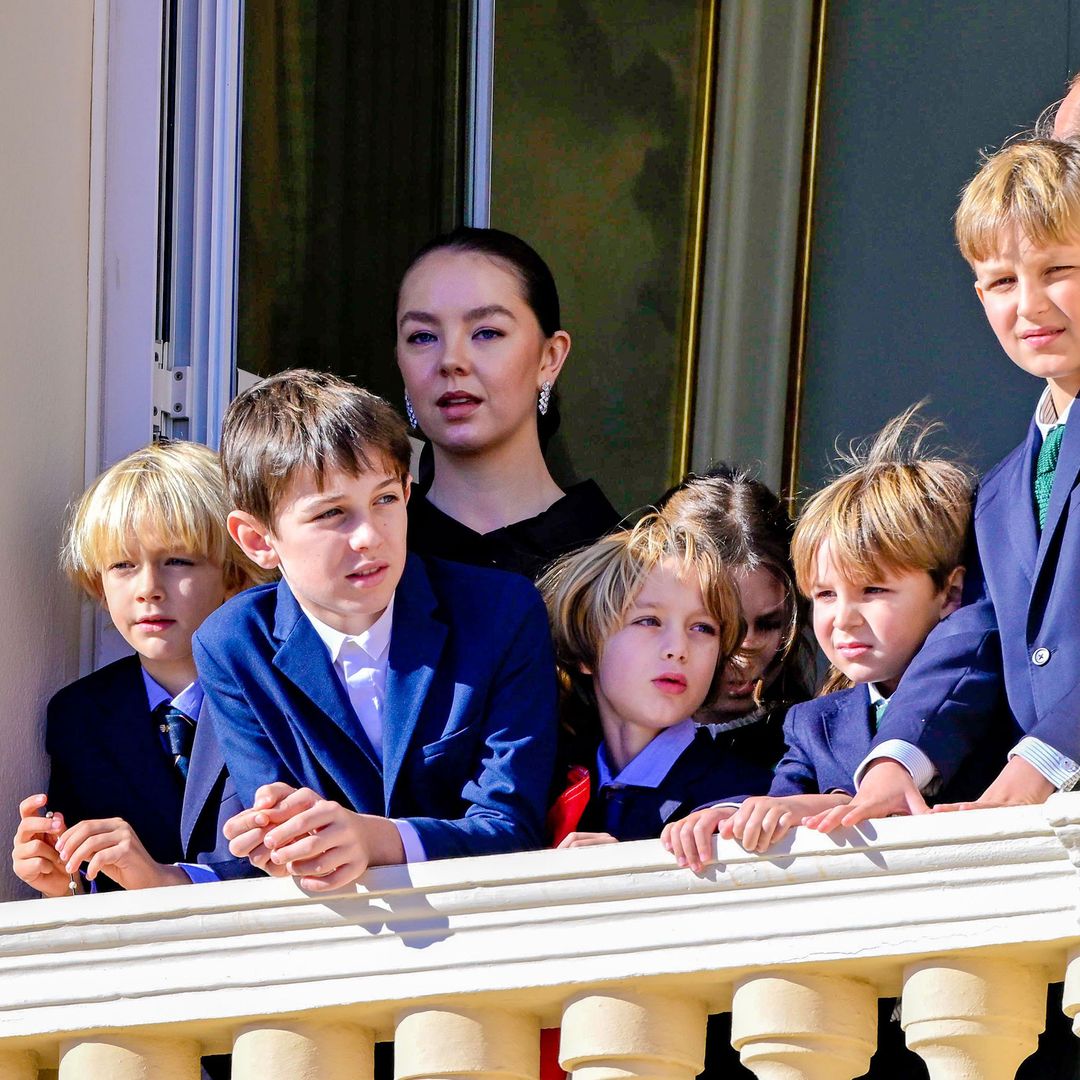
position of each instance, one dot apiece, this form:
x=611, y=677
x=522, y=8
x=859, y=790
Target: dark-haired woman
x=480, y=346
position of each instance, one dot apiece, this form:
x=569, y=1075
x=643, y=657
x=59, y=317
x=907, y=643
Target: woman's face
x=472, y=353
x=764, y=607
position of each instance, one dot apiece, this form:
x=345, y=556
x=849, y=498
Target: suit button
x=1040, y=657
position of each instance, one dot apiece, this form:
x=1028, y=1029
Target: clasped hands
x=295, y=831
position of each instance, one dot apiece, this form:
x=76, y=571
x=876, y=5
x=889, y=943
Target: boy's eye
x=1001, y=282
x=122, y=565
x=824, y=594
x=874, y=590
x=647, y=620
x=179, y=560
x=421, y=337
x=704, y=628
x=332, y=512
x=388, y=499
x=488, y=333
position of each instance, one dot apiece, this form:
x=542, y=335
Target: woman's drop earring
x=545, y=398
x=409, y=411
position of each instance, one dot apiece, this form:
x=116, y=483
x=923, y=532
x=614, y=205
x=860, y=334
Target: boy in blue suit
x=878, y=553
x=1018, y=635
x=373, y=707
x=148, y=540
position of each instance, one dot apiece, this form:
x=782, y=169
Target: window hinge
x=172, y=392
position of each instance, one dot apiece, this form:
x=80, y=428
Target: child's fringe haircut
x=167, y=493
x=1032, y=186
x=895, y=509
x=588, y=592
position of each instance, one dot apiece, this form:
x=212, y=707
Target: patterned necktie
x=1044, y=471
x=879, y=711
x=177, y=734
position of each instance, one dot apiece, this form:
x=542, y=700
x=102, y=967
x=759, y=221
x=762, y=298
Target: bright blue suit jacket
x=469, y=718
x=828, y=737
x=1022, y=595
x=107, y=761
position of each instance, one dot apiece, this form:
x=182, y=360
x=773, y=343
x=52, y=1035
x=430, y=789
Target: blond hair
x=302, y=420
x=170, y=493
x=589, y=591
x=1032, y=186
x=894, y=509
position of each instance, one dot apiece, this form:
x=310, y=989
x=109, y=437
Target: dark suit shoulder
x=478, y=589
x=107, y=687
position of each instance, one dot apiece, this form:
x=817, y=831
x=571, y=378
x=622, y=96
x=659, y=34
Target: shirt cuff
x=197, y=873
x=410, y=841
x=910, y=756
x=1061, y=771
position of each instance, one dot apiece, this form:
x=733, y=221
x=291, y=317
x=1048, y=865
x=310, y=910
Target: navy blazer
x=1014, y=647
x=107, y=761
x=469, y=720
x=704, y=771
x=828, y=737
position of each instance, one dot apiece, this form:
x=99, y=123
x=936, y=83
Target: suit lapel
x=126, y=734
x=304, y=660
x=1016, y=516
x=206, y=766
x=851, y=713
x=1064, y=481
x=416, y=644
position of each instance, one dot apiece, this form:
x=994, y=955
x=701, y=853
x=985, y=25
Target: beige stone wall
x=45, y=78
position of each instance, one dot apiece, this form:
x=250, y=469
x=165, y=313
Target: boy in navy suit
x=374, y=707
x=878, y=553
x=644, y=622
x=148, y=540
x=1018, y=635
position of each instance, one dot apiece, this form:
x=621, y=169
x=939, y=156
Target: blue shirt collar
x=652, y=765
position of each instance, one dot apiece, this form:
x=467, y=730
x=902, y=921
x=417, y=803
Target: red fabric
x=568, y=808
x=549, y=1055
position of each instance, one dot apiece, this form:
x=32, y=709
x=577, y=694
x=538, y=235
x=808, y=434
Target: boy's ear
x=253, y=539
x=406, y=486
x=953, y=592
x=979, y=294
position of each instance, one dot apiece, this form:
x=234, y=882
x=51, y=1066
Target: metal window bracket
x=172, y=392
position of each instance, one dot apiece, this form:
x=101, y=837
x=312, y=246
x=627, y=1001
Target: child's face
x=157, y=597
x=341, y=549
x=1031, y=296
x=871, y=631
x=471, y=351
x=656, y=669
x=764, y=608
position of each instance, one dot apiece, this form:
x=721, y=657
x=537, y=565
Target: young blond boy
x=1017, y=637
x=148, y=541
x=878, y=553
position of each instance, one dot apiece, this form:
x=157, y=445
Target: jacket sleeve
x=954, y=688
x=508, y=793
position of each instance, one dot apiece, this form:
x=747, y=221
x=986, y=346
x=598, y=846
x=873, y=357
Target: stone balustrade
x=461, y=963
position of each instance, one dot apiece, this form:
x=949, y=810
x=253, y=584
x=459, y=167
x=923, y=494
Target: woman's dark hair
x=749, y=524
x=537, y=282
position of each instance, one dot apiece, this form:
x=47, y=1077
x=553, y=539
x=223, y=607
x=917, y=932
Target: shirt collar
x=652, y=765
x=1047, y=416
x=375, y=640
x=189, y=700
x=155, y=692
x=876, y=695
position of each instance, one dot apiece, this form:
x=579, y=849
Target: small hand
x=246, y=831
x=33, y=854
x=887, y=789
x=690, y=838
x=111, y=846
x=586, y=839
x=1018, y=784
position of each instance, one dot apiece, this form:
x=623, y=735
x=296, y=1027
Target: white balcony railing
x=462, y=962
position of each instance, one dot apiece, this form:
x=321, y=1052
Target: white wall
x=45, y=77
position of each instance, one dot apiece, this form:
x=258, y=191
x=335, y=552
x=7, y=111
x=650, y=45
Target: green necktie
x=1044, y=471
x=879, y=711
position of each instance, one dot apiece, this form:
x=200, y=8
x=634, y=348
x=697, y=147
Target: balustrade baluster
x=314, y=1050
x=616, y=1035
x=475, y=1043
x=804, y=1027
x=129, y=1058
x=18, y=1065
x=973, y=1017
